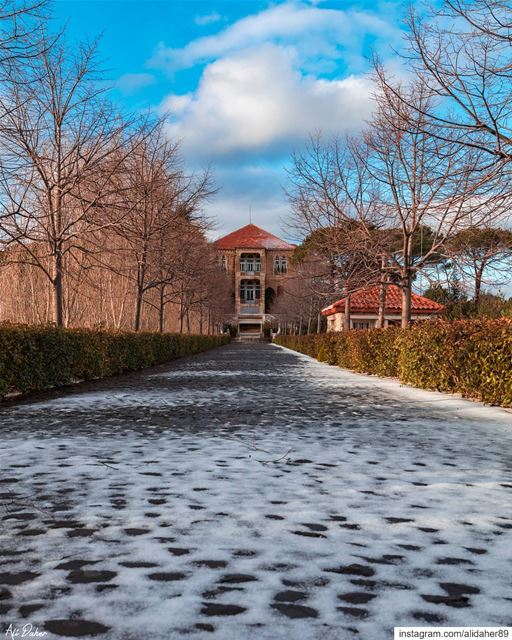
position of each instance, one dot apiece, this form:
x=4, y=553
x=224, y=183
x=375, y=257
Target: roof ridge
x=367, y=298
x=251, y=236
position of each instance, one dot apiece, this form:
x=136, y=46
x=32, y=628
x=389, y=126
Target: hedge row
x=470, y=357
x=33, y=358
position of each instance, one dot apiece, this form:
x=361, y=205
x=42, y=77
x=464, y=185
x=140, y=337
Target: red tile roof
x=251, y=237
x=367, y=301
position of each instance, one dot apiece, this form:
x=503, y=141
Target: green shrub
x=373, y=352
x=470, y=357
x=33, y=358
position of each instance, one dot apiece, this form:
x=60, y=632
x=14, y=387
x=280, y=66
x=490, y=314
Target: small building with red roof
x=364, y=309
x=259, y=263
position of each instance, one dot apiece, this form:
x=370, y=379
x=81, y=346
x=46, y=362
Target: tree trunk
x=406, y=282
x=478, y=288
x=406, y=301
x=347, y=320
x=138, y=309
x=381, y=320
x=319, y=323
x=181, y=311
x=141, y=277
x=161, y=311
x=58, y=290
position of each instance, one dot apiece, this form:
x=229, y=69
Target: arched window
x=280, y=265
x=249, y=291
x=250, y=263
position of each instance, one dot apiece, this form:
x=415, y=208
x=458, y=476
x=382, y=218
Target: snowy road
x=146, y=507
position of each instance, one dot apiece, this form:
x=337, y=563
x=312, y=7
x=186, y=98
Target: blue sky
x=244, y=82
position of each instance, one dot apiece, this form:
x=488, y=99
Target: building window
x=363, y=325
x=249, y=291
x=250, y=263
x=224, y=263
x=280, y=266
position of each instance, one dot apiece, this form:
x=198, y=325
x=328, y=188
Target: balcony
x=250, y=269
x=250, y=310
x=250, y=264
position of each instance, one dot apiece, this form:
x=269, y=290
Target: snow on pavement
x=251, y=492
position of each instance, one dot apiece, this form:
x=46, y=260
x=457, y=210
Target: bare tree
x=203, y=287
x=158, y=201
x=20, y=22
x=312, y=287
x=97, y=213
x=184, y=271
x=462, y=52
x=429, y=187
x=392, y=197
x=58, y=138
x=334, y=207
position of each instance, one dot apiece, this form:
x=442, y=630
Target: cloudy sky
x=244, y=82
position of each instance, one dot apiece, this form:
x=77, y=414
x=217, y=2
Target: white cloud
x=209, y=18
x=259, y=101
x=132, y=82
x=267, y=82
x=317, y=30
x=252, y=188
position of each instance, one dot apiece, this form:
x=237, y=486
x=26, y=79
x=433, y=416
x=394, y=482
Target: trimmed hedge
x=33, y=358
x=470, y=357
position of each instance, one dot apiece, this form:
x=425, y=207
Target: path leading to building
x=250, y=492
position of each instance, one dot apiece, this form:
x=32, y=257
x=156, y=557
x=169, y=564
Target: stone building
x=259, y=264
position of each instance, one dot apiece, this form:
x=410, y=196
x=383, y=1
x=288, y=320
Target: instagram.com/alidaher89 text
x=455, y=633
